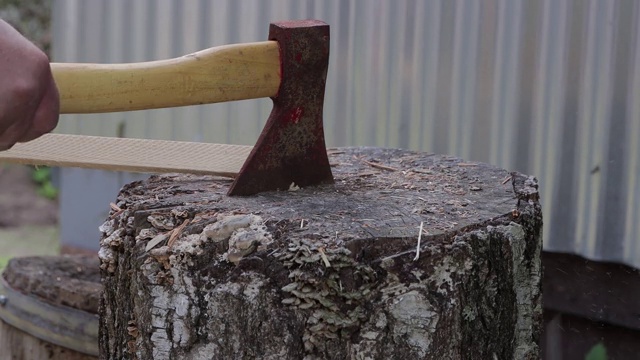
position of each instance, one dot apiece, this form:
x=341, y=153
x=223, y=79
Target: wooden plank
x=133, y=155
x=572, y=338
x=597, y=291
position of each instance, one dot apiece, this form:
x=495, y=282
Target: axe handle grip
x=224, y=73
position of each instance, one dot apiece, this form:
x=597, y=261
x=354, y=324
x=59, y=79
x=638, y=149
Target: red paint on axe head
x=295, y=115
x=291, y=148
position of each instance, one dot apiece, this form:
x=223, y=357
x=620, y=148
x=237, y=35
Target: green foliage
x=597, y=352
x=3, y=262
x=42, y=176
x=48, y=191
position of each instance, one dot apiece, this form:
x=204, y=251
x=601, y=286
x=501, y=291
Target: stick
x=418, y=246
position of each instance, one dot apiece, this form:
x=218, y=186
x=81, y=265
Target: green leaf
x=597, y=352
x=47, y=190
x=41, y=174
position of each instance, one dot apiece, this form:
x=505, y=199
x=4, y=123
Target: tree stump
x=49, y=308
x=329, y=272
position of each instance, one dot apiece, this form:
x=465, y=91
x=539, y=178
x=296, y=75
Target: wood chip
x=324, y=257
x=175, y=233
x=379, y=166
x=117, y=210
x=155, y=241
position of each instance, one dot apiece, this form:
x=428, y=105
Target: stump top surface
x=381, y=192
x=72, y=281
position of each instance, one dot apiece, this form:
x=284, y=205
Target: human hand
x=29, y=101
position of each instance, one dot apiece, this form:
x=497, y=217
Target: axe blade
x=291, y=149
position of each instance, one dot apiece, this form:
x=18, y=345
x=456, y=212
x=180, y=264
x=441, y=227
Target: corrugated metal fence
x=548, y=87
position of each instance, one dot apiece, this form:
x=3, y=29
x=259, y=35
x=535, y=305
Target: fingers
x=43, y=119
x=33, y=118
x=16, y=118
x=11, y=135
x=46, y=115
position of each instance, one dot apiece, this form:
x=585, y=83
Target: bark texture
x=328, y=272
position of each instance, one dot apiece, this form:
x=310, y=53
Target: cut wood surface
x=328, y=272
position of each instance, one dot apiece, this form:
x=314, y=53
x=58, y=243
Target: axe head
x=291, y=148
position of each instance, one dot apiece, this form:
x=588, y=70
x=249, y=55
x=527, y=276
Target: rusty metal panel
x=546, y=87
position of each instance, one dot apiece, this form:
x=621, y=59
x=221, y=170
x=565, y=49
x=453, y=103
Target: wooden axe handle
x=224, y=73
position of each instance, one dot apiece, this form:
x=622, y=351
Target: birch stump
x=331, y=272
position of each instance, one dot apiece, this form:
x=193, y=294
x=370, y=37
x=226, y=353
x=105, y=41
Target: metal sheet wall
x=546, y=87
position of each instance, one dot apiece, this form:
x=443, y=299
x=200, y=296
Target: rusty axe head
x=291, y=148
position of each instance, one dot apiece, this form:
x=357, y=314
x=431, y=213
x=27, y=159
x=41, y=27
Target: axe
x=291, y=68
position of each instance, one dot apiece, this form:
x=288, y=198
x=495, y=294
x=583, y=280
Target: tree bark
x=327, y=272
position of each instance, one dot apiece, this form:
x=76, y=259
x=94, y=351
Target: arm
x=29, y=102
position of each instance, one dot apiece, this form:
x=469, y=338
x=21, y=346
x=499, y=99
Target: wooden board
x=133, y=155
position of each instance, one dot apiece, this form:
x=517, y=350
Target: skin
x=29, y=100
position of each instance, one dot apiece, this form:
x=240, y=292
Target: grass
x=597, y=352
x=4, y=260
x=28, y=241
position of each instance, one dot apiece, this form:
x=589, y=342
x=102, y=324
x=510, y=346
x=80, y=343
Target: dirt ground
x=20, y=205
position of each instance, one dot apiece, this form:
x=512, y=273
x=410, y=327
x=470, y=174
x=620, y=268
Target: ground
x=28, y=221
